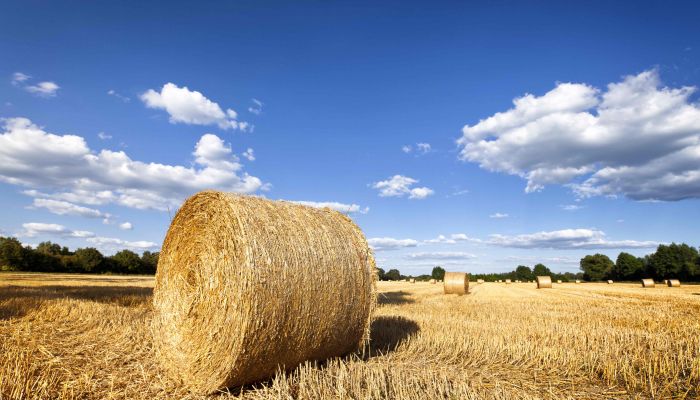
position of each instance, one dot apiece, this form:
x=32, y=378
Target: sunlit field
x=79, y=336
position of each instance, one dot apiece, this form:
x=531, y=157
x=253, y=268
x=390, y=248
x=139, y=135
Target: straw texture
x=246, y=285
x=674, y=283
x=544, y=282
x=456, y=283
x=648, y=283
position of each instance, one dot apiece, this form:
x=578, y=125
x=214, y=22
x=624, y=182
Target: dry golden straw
x=247, y=285
x=674, y=283
x=648, y=283
x=544, y=282
x=456, y=283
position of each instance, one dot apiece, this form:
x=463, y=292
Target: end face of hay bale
x=544, y=282
x=648, y=283
x=674, y=283
x=235, y=296
x=456, y=283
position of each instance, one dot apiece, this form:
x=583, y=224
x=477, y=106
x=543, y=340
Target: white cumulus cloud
x=126, y=226
x=110, y=245
x=60, y=207
x=43, y=89
x=567, y=239
x=401, y=186
x=63, y=167
x=440, y=255
x=637, y=138
x=32, y=229
x=191, y=107
x=498, y=215
x=387, y=243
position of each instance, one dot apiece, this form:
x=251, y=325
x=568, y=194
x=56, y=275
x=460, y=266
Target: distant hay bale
x=432, y=281
x=238, y=293
x=578, y=281
x=456, y=283
x=558, y=280
x=544, y=282
x=507, y=281
x=648, y=283
x=610, y=282
x=665, y=282
x=674, y=283
x=479, y=281
x=412, y=280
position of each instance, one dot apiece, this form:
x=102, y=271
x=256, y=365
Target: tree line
x=51, y=257
x=674, y=261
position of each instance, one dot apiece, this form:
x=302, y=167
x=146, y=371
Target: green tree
x=673, y=261
x=126, y=261
x=524, y=273
x=149, y=261
x=627, y=267
x=393, y=275
x=541, y=270
x=12, y=254
x=438, y=273
x=381, y=275
x=49, y=248
x=89, y=259
x=596, y=267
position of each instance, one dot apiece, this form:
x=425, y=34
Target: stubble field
x=88, y=337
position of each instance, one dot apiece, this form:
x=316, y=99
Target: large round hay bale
x=544, y=282
x=610, y=282
x=674, y=283
x=246, y=286
x=648, y=283
x=456, y=283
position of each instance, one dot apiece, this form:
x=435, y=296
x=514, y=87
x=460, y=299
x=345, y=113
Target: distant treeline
x=674, y=261
x=51, y=257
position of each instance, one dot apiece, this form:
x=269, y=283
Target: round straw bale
x=236, y=295
x=544, y=282
x=578, y=281
x=610, y=282
x=479, y=281
x=456, y=283
x=432, y=281
x=508, y=281
x=558, y=280
x=674, y=283
x=648, y=283
x=412, y=280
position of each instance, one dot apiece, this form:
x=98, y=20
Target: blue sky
x=477, y=137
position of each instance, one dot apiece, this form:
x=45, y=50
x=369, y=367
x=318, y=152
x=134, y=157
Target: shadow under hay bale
x=399, y=297
x=388, y=332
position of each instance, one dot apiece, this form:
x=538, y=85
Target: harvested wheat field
x=88, y=337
